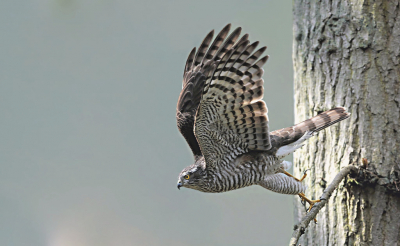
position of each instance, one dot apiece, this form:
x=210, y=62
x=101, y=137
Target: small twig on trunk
x=300, y=228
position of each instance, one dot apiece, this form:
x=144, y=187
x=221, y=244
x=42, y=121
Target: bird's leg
x=304, y=175
x=300, y=180
x=302, y=196
x=311, y=202
x=288, y=174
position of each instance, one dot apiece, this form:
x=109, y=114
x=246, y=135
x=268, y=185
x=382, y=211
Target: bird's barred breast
x=245, y=170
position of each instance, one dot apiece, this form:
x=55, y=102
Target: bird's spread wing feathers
x=199, y=67
x=222, y=83
x=232, y=118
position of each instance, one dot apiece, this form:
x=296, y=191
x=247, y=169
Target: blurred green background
x=89, y=149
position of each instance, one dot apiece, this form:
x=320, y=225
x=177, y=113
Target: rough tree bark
x=347, y=53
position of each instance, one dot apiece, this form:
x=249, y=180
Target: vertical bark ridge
x=347, y=53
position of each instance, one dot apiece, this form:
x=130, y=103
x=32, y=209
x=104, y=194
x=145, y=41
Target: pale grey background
x=89, y=150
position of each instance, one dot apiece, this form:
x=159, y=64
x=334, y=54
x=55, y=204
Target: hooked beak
x=179, y=185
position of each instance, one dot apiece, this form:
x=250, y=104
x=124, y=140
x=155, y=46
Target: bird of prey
x=222, y=116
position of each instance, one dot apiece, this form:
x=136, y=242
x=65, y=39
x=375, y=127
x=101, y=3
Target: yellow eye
x=187, y=177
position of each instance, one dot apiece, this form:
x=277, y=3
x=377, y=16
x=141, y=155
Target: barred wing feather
x=199, y=68
x=232, y=118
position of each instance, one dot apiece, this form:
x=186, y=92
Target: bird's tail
x=322, y=120
x=288, y=139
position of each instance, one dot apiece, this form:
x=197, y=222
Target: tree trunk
x=347, y=53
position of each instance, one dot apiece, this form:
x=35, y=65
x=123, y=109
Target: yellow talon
x=304, y=176
x=302, y=196
x=311, y=202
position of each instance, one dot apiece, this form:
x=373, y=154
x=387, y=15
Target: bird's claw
x=304, y=199
x=304, y=175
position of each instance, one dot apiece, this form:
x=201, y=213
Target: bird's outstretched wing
x=198, y=69
x=232, y=118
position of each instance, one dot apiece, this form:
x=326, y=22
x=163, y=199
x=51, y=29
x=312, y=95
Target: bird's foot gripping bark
x=304, y=199
x=311, y=202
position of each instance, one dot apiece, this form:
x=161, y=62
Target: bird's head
x=193, y=176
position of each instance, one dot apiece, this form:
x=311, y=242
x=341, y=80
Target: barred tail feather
x=288, y=140
x=323, y=120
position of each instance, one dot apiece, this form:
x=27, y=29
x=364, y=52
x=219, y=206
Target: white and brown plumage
x=223, y=118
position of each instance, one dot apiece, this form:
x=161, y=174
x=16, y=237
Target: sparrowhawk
x=223, y=118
